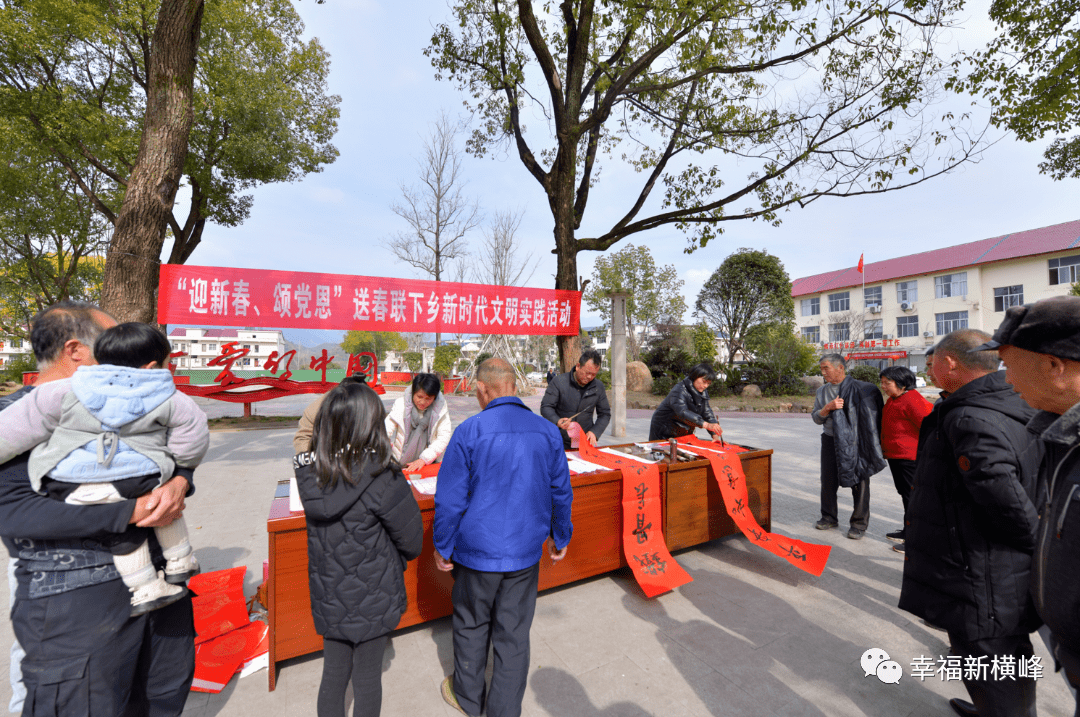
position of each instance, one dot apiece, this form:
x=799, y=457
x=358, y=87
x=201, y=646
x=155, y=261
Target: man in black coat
x=849, y=413
x=1040, y=345
x=574, y=396
x=971, y=526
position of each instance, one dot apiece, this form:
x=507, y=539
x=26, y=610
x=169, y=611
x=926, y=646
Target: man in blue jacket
x=504, y=489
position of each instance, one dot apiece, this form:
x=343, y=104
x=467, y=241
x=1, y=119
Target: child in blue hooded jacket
x=114, y=432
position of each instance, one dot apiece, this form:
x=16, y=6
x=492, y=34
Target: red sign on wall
x=224, y=296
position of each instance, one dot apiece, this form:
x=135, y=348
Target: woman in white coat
x=419, y=424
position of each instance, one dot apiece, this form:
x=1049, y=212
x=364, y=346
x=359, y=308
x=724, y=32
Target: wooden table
x=693, y=513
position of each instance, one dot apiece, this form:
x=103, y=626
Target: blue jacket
x=503, y=488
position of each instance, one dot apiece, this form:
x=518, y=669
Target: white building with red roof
x=910, y=302
x=202, y=345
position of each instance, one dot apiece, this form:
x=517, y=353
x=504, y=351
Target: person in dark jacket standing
x=849, y=412
x=575, y=396
x=971, y=524
x=363, y=526
x=1040, y=345
x=900, y=422
x=686, y=407
x=504, y=490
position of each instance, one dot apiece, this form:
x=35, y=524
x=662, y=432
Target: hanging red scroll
x=225, y=296
x=727, y=468
x=643, y=538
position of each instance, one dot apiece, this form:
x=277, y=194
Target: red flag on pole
x=860, y=263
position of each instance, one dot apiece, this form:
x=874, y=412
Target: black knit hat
x=1050, y=326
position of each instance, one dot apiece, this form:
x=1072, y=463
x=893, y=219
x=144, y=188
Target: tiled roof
x=1009, y=246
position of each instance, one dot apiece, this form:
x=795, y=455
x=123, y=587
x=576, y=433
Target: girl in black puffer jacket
x=363, y=526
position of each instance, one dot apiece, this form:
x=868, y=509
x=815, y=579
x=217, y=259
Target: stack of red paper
x=226, y=641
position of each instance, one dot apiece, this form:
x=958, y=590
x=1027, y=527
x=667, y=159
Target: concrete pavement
x=751, y=635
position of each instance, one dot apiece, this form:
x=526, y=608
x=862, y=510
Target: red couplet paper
x=217, y=660
x=227, y=296
x=218, y=581
x=643, y=538
x=727, y=468
x=218, y=613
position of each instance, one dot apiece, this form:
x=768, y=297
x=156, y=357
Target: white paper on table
x=295, y=505
x=582, y=466
x=620, y=454
x=424, y=485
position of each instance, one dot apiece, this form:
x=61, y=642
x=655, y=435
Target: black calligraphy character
x=739, y=507
x=642, y=528
x=794, y=552
x=641, y=489
x=760, y=535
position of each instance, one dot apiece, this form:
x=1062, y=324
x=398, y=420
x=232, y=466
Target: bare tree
x=499, y=263
x=437, y=211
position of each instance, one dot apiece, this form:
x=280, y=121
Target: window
x=213, y=347
x=872, y=329
x=256, y=351
x=907, y=291
x=256, y=360
x=872, y=295
x=948, y=285
x=1064, y=270
x=811, y=334
x=204, y=347
x=16, y=343
x=839, y=332
x=951, y=321
x=907, y=326
x=811, y=307
x=1008, y=296
x=840, y=302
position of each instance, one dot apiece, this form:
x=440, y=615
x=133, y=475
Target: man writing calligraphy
x=574, y=396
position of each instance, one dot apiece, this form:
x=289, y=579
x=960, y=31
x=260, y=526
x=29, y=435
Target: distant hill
x=304, y=353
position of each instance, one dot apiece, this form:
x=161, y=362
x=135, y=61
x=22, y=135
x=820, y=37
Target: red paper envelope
x=219, y=613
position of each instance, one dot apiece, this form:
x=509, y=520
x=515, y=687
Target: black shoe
x=825, y=524
x=899, y=547
x=896, y=535
x=963, y=708
x=855, y=534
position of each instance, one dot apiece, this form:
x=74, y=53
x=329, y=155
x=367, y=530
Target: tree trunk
x=566, y=277
x=131, y=263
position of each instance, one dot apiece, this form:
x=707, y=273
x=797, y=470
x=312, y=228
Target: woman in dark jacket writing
x=363, y=526
x=686, y=407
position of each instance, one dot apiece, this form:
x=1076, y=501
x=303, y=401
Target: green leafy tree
x=1074, y=290
x=446, y=358
x=780, y=359
x=377, y=342
x=414, y=360
x=85, y=83
x=1029, y=73
x=704, y=340
x=655, y=293
x=810, y=99
x=748, y=289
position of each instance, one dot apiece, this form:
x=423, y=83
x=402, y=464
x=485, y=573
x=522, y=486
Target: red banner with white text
x=225, y=296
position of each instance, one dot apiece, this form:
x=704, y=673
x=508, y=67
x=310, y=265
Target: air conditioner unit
x=886, y=336
x=875, y=308
x=907, y=305
x=928, y=334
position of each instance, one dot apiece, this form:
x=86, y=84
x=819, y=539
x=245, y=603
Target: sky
x=339, y=220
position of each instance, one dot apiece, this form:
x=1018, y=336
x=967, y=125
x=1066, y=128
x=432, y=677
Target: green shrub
x=605, y=378
x=414, y=360
x=866, y=373
x=13, y=369
x=662, y=384
x=446, y=357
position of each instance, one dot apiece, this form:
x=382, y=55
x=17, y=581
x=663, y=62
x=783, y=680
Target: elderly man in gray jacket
x=849, y=412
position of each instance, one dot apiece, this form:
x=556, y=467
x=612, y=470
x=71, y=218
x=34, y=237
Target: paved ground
x=750, y=636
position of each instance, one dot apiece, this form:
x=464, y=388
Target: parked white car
x=535, y=376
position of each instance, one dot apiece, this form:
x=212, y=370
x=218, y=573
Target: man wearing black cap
x=970, y=526
x=1040, y=345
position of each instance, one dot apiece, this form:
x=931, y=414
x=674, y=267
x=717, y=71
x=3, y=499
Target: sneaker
x=447, y=691
x=855, y=534
x=896, y=536
x=179, y=570
x=899, y=547
x=155, y=595
x=825, y=524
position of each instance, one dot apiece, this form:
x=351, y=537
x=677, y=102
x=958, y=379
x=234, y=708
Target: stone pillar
x=617, y=361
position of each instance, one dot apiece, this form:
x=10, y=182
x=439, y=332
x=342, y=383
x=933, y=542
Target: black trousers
x=86, y=655
x=1070, y=662
x=903, y=477
x=994, y=697
x=493, y=609
x=830, y=484
x=361, y=661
